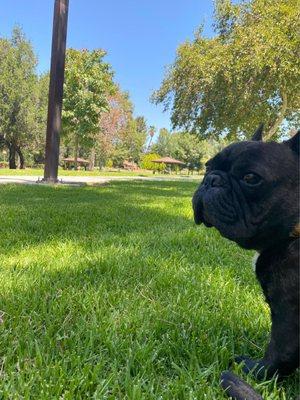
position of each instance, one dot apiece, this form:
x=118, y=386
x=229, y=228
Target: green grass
x=96, y=172
x=112, y=293
x=62, y=172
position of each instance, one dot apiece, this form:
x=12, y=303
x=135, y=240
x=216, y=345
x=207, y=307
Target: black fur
x=236, y=388
x=250, y=193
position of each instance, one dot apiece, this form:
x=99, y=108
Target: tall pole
x=58, y=54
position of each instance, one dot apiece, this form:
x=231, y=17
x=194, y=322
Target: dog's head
x=250, y=192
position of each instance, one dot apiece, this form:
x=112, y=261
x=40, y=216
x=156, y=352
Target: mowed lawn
x=111, y=292
x=96, y=172
x=65, y=172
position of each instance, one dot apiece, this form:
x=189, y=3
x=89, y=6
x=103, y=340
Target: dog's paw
x=256, y=368
x=236, y=388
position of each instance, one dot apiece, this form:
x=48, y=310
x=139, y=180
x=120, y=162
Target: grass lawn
x=112, y=293
x=96, y=172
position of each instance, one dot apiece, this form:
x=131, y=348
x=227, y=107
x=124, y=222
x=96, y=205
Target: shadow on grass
x=134, y=314
x=33, y=215
x=114, y=286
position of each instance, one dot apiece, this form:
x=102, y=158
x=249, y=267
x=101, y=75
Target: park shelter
x=131, y=166
x=169, y=162
x=69, y=162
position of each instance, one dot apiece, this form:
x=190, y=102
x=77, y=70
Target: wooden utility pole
x=58, y=53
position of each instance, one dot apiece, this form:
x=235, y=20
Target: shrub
x=3, y=164
x=109, y=163
x=147, y=162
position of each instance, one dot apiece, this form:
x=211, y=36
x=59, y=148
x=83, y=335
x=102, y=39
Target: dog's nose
x=213, y=180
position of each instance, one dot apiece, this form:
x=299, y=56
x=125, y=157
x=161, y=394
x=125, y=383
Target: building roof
x=168, y=160
x=72, y=160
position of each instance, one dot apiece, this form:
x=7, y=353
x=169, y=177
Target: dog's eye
x=251, y=179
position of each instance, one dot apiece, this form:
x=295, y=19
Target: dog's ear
x=294, y=142
x=197, y=208
x=258, y=133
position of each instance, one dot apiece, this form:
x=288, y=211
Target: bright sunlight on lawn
x=112, y=293
x=95, y=172
x=66, y=172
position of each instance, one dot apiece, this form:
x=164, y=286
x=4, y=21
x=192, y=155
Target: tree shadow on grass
x=110, y=285
x=32, y=215
x=135, y=314
x=139, y=214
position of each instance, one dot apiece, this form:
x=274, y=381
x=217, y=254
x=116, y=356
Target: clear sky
x=140, y=37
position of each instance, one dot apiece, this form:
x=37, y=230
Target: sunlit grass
x=112, y=293
x=95, y=172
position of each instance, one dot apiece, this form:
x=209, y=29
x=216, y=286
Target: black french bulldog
x=250, y=193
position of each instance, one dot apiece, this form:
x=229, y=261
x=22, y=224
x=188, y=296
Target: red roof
x=79, y=160
x=168, y=160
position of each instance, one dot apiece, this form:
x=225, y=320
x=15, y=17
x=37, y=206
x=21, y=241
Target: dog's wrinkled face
x=250, y=192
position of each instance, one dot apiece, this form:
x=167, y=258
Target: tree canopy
x=18, y=96
x=181, y=145
x=88, y=81
x=248, y=73
x=98, y=117
x=120, y=135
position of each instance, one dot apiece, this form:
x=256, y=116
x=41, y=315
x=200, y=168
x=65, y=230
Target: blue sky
x=140, y=37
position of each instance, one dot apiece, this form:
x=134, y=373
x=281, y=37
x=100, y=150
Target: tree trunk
x=3, y=142
x=12, y=156
x=12, y=151
x=21, y=157
x=92, y=160
x=76, y=153
x=279, y=118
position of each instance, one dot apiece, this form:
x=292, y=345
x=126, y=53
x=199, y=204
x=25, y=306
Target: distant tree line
x=184, y=146
x=98, y=123
x=21, y=97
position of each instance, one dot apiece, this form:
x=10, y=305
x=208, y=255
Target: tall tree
x=17, y=94
x=164, y=144
x=248, y=73
x=121, y=136
x=112, y=123
x=187, y=148
x=133, y=140
x=88, y=81
x=141, y=124
x=130, y=144
x=151, y=133
x=35, y=146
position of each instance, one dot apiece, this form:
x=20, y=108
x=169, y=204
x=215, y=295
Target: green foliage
x=141, y=124
x=248, y=73
x=187, y=147
x=134, y=140
x=163, y=144
x=147, y=162
x=36, y=146
x=98, y=121
x=129, y=144
x=211, y=147
x=88, y=81
x=112, y=124
x=121, y=136
x=119, y=155
x=109, y=163
x=18, y=92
